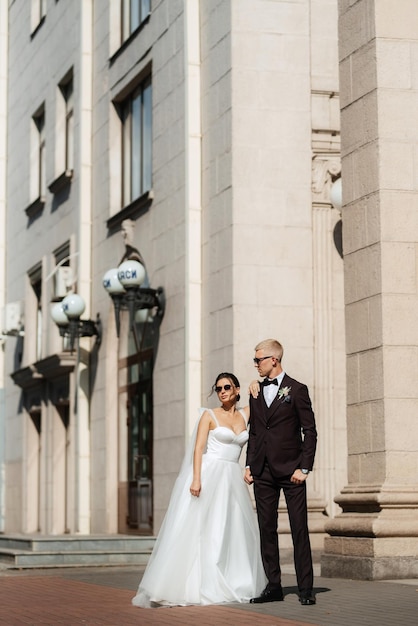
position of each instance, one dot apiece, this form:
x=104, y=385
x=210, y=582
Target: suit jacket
x=284, y=434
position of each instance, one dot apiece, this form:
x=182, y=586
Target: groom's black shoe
x=269, y=594
x=306, y=597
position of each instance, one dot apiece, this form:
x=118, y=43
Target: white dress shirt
x=271, y=391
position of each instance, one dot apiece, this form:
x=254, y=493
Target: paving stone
x=102, y=596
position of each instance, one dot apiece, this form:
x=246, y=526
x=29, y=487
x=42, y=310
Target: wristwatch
x=305, y=471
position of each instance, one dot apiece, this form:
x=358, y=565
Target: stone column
x=329, y=403
x=376, y=535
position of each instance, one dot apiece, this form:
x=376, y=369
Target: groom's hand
x=298, y=477
x=247, y=476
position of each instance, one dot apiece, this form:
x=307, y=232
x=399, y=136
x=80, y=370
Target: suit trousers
x=267, y=490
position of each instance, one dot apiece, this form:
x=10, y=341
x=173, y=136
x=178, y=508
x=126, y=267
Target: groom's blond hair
x=273, y=346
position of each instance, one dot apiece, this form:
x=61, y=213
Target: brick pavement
x=102, y=596
x=55, y=601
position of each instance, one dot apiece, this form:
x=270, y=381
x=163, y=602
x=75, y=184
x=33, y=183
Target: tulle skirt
x=208, y=549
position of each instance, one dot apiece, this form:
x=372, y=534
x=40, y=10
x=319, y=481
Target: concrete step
x=26, y=551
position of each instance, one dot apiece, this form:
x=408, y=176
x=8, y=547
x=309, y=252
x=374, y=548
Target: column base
x=376, y=535
x=367, y=568
x=370, y=558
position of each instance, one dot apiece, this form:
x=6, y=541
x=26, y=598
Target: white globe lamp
x=112, y=283
x=58, y=315
x=131, y=274
x=336, y=194
x=73, y=306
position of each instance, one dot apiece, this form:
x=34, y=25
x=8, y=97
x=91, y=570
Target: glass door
x=140, y=456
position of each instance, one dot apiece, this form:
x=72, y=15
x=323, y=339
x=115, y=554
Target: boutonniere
x=284, y=393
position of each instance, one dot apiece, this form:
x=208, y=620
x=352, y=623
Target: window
x=63, y=274
x=134, y=12
x=38, y=173
x=35, y=278
x=63, y=280
x=67, y=94
x=38, y=14
x=136, y=114
x=64, y=135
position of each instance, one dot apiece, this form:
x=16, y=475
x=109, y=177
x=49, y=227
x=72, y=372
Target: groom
x=280, y=455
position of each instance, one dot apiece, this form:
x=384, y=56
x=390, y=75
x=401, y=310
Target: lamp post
x=123, y=284
x=66, y=314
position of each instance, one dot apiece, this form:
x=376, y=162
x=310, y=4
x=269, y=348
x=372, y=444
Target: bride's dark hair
x=234, y=380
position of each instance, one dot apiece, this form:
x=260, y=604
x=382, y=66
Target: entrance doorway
x=140, y=438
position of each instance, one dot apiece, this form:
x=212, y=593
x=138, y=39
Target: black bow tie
x=270, y=382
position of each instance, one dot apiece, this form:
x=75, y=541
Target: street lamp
x=123, y=284
x=66, y=314
x=336, y=194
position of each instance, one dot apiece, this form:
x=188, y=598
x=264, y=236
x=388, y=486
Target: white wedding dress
x=208, y=549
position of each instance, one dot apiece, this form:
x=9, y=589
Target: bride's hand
x=195, y=488
x=254, y=388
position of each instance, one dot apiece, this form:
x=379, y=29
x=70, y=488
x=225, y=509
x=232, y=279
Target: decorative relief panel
x=325, y=170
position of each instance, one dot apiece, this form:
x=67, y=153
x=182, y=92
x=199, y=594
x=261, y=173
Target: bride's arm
x=247, y=474
x=246, y=410
x=201, y=439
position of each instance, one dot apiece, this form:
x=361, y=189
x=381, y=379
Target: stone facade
x=3, y=159
x=238, y=227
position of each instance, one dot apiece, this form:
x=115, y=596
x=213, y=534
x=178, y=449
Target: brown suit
x=276, y=448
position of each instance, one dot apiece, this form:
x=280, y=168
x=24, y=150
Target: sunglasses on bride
x=226, y=387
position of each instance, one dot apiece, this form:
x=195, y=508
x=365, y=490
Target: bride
x=208, y=550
